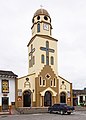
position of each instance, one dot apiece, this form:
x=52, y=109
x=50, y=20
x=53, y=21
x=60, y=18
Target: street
x=46, y=116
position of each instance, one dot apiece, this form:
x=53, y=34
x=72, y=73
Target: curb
x=4, y=113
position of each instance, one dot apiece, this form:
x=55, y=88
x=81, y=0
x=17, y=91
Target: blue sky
x=69, y=27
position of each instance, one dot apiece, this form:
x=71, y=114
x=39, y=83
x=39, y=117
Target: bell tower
x=42, y=48
x=41, y=23
x=43, y=84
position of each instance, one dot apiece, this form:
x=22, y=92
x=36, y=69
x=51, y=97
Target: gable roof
x=4, y=73
x=64, y=79
x=47, y=70
x=79, y=92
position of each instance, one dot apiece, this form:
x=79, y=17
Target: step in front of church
x=32, y=110
x=38, y=110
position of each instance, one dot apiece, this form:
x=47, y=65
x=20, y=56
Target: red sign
x=19, y=98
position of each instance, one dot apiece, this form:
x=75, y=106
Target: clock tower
x=42, y=48
x=41, y=23
x=43, y=86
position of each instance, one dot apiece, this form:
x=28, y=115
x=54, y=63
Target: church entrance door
x=27, y=98
x=5, y=103
x=47, y=99
x=63, y=97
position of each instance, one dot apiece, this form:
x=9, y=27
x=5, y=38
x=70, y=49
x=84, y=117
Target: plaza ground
x=81, y=115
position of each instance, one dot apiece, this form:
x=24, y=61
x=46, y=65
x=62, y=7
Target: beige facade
x=42, y=86
x=40, y=41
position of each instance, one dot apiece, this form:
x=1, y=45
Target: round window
x=38, y=17
x=45, y=17
x=33, y=20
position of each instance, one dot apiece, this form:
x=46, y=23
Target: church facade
x=42, y=86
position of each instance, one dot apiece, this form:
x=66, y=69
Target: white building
x=7, y=89
x=79, y=97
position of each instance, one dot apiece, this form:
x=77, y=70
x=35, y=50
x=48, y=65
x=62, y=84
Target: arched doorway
x=63, y=97
x=47, y=99
x=27, y=98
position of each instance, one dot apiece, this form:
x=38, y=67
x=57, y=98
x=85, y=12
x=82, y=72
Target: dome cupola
x=41, y=12
x=41, y=23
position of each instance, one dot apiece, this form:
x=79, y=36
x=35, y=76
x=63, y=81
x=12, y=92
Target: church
x=42, y=87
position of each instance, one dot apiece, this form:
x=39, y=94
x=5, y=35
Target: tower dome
x=41, y=23
x=41, y=12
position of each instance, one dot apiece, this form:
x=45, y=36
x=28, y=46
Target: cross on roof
x=47, y=49
x=41, y=6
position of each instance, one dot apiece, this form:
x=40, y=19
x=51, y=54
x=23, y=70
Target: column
x=42, y=101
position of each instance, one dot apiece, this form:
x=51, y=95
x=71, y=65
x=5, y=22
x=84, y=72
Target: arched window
x=38, y=27
x=54, y=82
x=40, y=81
x=47, y=60
x=43, y=82
x=52, y=60
x=47, y=44
x=51, y=83
x=29, y=63
x=33, y=60
x=42, y=58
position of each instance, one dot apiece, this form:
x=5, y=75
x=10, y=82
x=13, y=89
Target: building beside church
x=79, y=97
x=42, y=86
x=8, y=88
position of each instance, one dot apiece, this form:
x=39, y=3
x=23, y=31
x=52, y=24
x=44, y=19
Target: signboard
x=69, y=99
x=5, y=86
x=19, y=98
x=68, y=93
x=19, y=92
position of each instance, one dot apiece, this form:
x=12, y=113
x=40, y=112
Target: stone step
x=79, y=108
x=4, y=113
x=30, y=110
x=34, y=110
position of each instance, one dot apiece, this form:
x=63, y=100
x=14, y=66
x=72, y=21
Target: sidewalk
x=79, y=108
x=9, y=112
x=4, y=113
x=34, y=110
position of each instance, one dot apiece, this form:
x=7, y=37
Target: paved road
x=46, y=116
